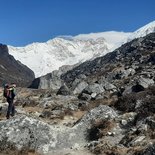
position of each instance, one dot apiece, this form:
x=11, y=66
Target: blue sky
x=26, y=21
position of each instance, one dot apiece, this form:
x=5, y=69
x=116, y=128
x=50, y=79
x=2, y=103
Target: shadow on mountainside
x=13, y=71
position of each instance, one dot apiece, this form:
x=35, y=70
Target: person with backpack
x=9, y=94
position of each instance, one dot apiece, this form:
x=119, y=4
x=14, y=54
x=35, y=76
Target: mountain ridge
x=46, y=57
x=12, y=71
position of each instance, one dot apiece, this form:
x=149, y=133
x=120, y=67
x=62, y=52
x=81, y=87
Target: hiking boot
x=7, y=117
x=12, y=115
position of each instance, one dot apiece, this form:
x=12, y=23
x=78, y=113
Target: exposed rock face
x=102, y=112
x=51, y=80
x=24, y=132
x=12, y=71
x=63, y=90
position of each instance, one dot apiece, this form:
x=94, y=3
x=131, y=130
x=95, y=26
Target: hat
x=6, y=85
x=14, y=85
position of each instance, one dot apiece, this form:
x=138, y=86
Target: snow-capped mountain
x=143, y=31
x=43, y=58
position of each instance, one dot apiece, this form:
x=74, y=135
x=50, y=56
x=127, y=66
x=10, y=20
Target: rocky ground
x=48, y=124
x=105, y=106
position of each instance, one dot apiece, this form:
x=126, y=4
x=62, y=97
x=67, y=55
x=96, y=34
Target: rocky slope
x=53, y=80
x=12, y=71
x=131, y=64
x=143, y=31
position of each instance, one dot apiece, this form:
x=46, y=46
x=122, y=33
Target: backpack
x=6, y=92
x=9, y=93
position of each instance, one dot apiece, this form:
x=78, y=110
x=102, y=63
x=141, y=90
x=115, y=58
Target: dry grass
x=15, y=152
x=33, y=153
x=99, y=129
x=110, y=101
x=2, y=118
x=105, y=148
x=33, y=109
x=79, y=114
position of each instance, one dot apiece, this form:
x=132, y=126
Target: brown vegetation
x=99, y=129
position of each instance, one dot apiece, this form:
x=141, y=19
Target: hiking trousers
x=11, y=108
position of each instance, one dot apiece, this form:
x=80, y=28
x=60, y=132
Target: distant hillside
x=12, y=70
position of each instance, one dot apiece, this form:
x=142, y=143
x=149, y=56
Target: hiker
x=9, y=94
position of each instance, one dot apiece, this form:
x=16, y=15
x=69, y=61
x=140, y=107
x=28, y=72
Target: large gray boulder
x=108, y=86
x=138, y=84
x=93, y=88
x=145, y=82
x=127, y=72
x=51, y=80
x=64, y=90
x=80, y=86
x=25, y=132
x=101, y=112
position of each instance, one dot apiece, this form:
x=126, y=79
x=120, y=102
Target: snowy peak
x=43, y=58
x=143, y=31
x=112, y=37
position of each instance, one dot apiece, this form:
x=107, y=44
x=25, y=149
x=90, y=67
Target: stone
x=64, y=90
x=24, y=132
x=79, y=88
x=85, y=97
x=93, y=95
x=137, y=140
x=124, y=122
x=151, y=122
x=108, y=86
x=101, y=112
x=150, y=150
x=93, y=88
x=145, y=82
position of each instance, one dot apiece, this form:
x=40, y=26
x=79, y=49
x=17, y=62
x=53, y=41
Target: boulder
x=151, y=122
x=128, y=72
x=93, y=88
x=3, y=109
x=64, y=90
x=23, y=132
x=150, y=150
x=145, y=82
x=80, y=86
x=84, y=96
x=101, y=112
x=108, y=86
